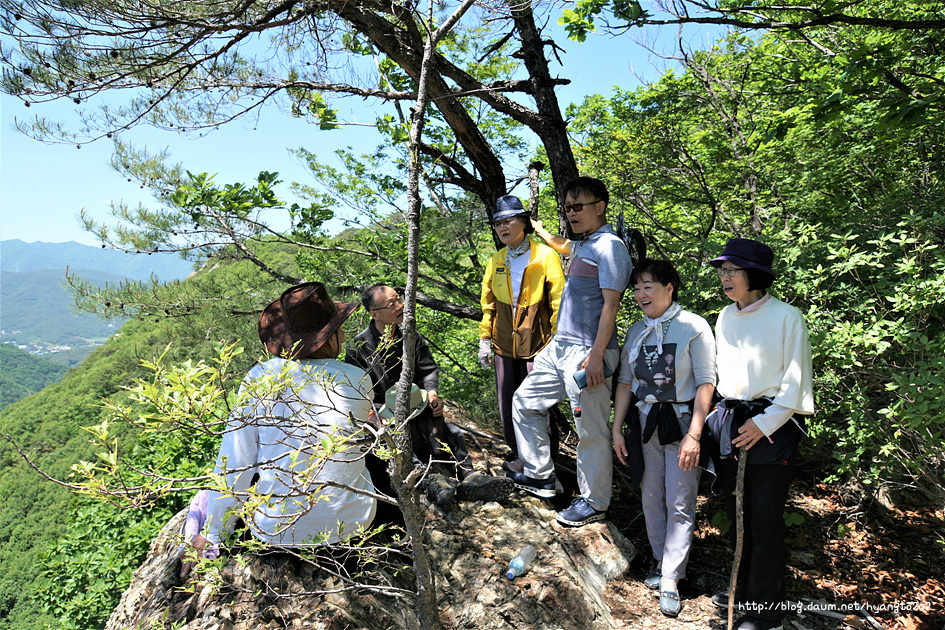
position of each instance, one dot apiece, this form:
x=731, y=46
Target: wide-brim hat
x=418, y=402
x=507, y=207
x=747, y=254
x=302, y=320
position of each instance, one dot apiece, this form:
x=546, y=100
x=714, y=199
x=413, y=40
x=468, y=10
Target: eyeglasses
x=392, y=303
x=504, y=222
x=578, y=207
x=728, y=272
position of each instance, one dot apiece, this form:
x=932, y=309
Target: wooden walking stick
x=739, y=530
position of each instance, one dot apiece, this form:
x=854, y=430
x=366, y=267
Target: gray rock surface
x=469, y=546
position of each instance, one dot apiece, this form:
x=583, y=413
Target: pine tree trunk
x=414, y=517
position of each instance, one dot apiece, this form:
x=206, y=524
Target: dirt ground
x=890, y=563
x=844, y=550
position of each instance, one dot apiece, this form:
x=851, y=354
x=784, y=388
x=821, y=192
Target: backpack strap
x=632, y=238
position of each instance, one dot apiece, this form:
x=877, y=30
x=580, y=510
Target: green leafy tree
x=620, y=15
x=860, y=38
x=81, y=574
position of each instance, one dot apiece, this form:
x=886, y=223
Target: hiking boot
x=721, y=600
x=580, y=513
x=440, y=489
x=464, y=469
x=544, y=488
x=481, y=487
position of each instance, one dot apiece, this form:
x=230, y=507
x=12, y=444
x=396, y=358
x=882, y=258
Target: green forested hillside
x=46, y=426
x=24, y=374
x=90, y=548
x=37, y=515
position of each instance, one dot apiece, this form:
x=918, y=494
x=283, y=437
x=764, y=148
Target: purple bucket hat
x=507, y=207
x=747, y=254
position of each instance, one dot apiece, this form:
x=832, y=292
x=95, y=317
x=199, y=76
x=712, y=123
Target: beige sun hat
x=418, y=402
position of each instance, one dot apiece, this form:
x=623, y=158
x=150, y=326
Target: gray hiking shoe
x=580, y=513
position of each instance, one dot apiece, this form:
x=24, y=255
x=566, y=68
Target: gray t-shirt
x=599, y=261
x=673, y=375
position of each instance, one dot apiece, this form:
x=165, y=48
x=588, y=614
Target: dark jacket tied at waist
x=730, y=414
x=663, y=421
x=662, y=415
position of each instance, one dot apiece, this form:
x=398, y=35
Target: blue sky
x=43, y=187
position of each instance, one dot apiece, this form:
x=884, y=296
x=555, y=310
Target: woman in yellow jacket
x=520, y=294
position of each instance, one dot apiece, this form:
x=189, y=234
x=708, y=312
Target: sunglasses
x=579, y=207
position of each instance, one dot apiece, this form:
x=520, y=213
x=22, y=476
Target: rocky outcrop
x=470, y=546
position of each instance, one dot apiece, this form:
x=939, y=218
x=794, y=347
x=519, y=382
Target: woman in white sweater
x=763, y=361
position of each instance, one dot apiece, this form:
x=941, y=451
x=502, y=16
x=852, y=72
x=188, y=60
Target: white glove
x=485, y=353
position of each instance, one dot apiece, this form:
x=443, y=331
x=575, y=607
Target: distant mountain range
x=19, y=257
x=37, y=310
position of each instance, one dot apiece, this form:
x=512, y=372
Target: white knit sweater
x=765, y=352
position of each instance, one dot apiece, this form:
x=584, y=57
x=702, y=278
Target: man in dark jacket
x=378, y=350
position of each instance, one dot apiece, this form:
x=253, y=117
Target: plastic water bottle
x=520, y=562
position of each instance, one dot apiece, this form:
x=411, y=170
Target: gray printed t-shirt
x=673, y=375
x=599, y=261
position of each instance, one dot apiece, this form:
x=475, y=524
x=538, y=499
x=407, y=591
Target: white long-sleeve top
x=765, y=352
x=281, y=435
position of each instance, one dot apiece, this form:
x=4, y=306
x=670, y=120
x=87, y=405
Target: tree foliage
x=890, y=48
x=82, y=572
x=767, y=15
x=193, y=66
x=23, y=374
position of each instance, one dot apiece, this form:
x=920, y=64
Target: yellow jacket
x=536, y=318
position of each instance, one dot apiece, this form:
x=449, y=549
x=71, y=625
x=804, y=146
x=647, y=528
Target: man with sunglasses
x=586, y=340
x=379, y=351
